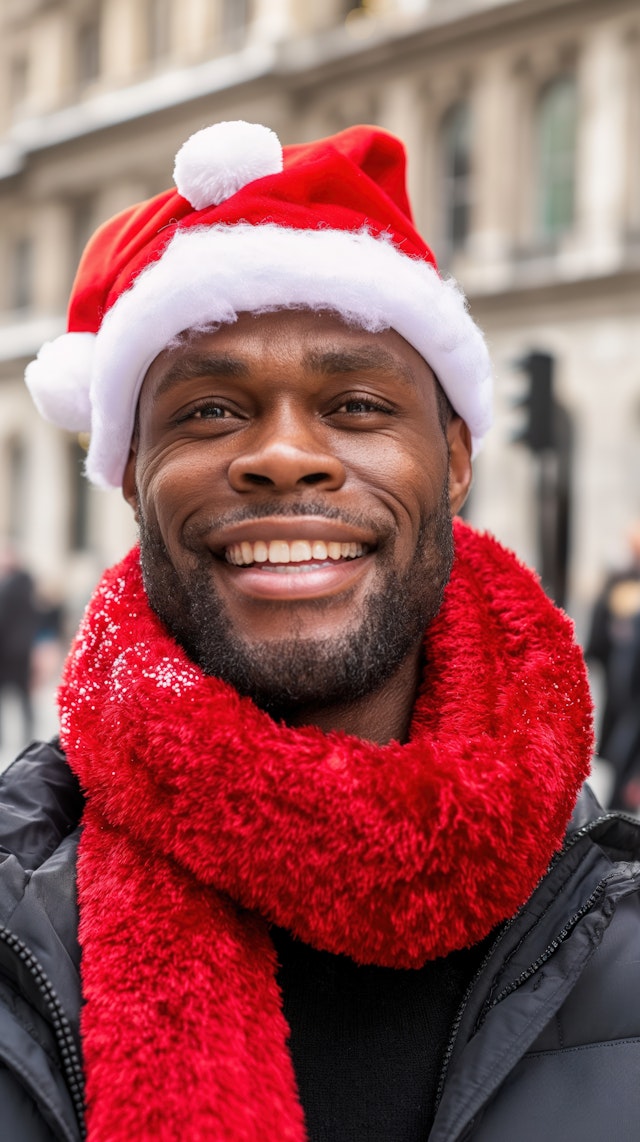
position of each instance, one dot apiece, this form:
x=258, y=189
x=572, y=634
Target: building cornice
x=298, y=65
x=135, y=102
x=310, y=62
x=619, y=291
x=21, y=340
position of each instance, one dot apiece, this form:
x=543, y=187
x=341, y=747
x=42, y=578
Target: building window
x=88, y=50
x=18, y=81
x=556, y=157
x=158, y=29
x=234, y=22
x=83, y=223
x=456, y=183
x=17, y=472
x=21, y=280
x=78, y=499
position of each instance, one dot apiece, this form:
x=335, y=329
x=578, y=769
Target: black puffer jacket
x=41, y=1090
x=545, y=1049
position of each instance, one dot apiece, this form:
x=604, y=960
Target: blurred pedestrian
x=18, y=622
x=614, y=642
x=49, y=640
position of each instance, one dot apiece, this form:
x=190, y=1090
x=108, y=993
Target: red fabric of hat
x=347, y=182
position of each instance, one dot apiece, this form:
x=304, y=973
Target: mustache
x=195, y=530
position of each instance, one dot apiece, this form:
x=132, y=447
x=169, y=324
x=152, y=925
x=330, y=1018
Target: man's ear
x=129, y=489
x=460, y=469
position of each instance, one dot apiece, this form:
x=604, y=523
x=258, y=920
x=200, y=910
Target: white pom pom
x=217, y=161
x=59, y=381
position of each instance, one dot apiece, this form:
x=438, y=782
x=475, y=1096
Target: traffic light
x=538, y=431
x=547, y=431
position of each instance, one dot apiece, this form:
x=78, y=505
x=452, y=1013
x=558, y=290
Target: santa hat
x=253, y=227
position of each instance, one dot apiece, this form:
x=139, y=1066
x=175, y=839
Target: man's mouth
x=295, y=555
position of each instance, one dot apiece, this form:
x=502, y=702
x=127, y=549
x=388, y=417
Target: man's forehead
x=325, y=344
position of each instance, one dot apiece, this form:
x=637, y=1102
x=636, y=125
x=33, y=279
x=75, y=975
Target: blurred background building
x=522, y=122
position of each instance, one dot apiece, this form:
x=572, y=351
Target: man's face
x=293, y=488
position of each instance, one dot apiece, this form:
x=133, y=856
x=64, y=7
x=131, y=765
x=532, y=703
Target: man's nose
x=285, y=459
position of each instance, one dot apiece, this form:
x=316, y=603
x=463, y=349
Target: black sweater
x=367, y=1042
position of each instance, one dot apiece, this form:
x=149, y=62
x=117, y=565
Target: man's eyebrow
x=363, y=359
x=194, y=365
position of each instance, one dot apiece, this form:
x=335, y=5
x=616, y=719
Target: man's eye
x=360, y=405
x=209, y=410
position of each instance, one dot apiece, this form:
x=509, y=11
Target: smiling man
x=317, y=793
x=303, y=558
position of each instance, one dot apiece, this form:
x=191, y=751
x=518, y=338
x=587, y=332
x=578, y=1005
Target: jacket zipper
x=71, y=1065
x=548, y=952
x=461, y=1010
x=575, y=837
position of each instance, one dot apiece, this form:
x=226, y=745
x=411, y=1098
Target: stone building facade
x=522, y=122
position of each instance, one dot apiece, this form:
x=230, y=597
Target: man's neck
x=381, y=717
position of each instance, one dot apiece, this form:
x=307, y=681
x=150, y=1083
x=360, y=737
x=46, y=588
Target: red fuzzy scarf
x=206, y=820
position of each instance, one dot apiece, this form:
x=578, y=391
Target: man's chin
x=288, y=674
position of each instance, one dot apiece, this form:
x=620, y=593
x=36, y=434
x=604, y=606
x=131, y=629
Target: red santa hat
x=253, y=227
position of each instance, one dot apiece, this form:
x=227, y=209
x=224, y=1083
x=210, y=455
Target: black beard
x=286, y=675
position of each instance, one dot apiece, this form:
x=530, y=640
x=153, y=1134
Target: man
x=614, y=643
x=18, y=625
x=329, y=743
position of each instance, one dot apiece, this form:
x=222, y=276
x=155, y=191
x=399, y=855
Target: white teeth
x=300, y=551
x=279, y=551
x=282, y=551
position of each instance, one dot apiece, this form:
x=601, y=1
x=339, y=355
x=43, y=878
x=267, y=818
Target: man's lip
x=257, y=585
x=290, y=528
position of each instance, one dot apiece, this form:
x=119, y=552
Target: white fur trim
x=211, y=275
x=217, y=161
x=59, y=380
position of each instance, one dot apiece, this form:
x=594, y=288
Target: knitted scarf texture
x=206, y=821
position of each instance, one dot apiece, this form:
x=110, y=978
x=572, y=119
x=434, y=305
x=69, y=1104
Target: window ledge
x=22, y=335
